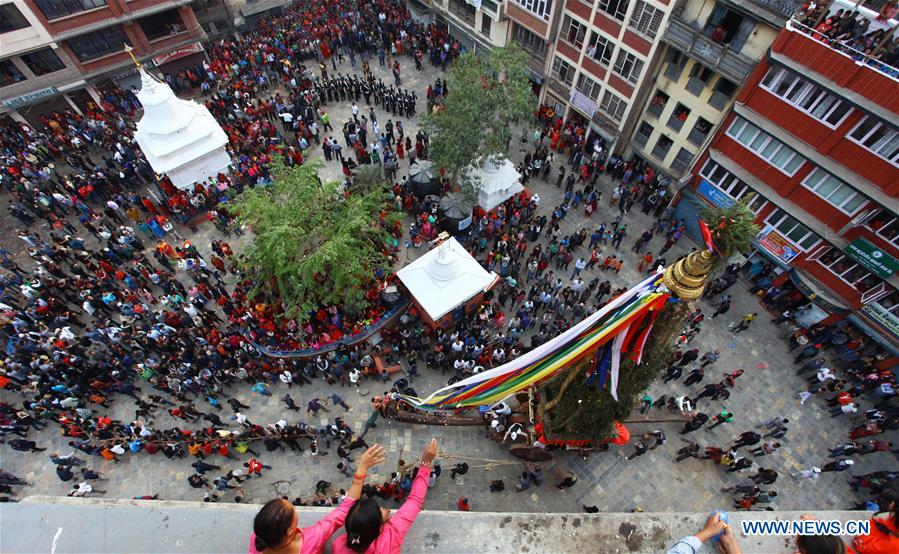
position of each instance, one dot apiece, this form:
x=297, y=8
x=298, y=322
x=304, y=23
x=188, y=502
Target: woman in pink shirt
x=372, y=529
x=275, y=528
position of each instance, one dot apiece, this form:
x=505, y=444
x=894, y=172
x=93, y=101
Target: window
x=539, y=7
x=486, y=22
x=99, y=43
x=806, y=96
x=729, y=27
x=9, y=73
x=886, y=225
x=615, y=8
x=836, y=192
x=846, y=269
x=663, y=145
x=489, y=6
x=588, y=86
x=54, y=9
x=463, y=10
x=682, y=160
x=613, y=105
x=675, y=64
x=573, y=31
x=877, y=136
x=644, y=131
x=646, y=19
x=890, y=303
x=699, y=78
x=529, y=41
x=724, y=89
x=43, y=61
x=699, y=131
x=600, y=48
x=658, y=103
x=732, y=185
x=11, y=19
x=765, y=146
x=679, y=116
x=563, y=71
x=786, y=225
x=628, y=66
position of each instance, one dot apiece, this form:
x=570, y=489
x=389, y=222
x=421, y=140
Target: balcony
x=844, y=63
x=720, y=58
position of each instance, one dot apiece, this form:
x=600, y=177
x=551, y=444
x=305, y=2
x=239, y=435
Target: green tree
x=368, y=178
x=489, y=97
x=312, y=245
x=733, y=229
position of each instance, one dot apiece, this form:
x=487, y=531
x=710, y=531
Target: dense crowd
x=852, y=32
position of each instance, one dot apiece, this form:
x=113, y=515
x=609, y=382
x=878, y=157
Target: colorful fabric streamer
x=550, y=358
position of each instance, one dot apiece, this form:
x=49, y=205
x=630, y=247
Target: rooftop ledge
x=64, y=525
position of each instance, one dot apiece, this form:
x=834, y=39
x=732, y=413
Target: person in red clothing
x=463, y=504
x=373, y=529
x=884, y=535
x=275, y=528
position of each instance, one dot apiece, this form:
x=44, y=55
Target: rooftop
x=68, y=525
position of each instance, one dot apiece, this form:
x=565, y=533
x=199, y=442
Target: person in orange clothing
x=645, y=261
x=884, y=535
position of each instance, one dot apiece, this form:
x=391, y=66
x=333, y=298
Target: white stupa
x=444, y=278
x=498, y=183
x=179, y=138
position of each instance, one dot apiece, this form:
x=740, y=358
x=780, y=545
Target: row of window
x=40, y=62
x=806, y=96
x=872, y=133
x=54, y=9
x=732, y=185
x=765, y=146
x=611, y=104
x=627, y=65
x=540, y=8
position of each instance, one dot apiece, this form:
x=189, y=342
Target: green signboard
x=872, y=258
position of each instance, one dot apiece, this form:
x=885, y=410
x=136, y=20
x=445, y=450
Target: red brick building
x=89, y=37
x=812, y=145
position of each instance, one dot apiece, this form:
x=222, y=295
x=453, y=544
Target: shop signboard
x=31, y=97
x=178, y=53
x=885, y=318
x=714, y=195
x=778, y=245
x=872, y=258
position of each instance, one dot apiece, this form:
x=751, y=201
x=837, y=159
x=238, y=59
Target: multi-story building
x=478, y=25
x=77, y=42
x=601, y=56
x=710, y=49
x=812, y=146
x=533, y=25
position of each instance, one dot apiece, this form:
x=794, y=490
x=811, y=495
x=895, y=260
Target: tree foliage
x=312, y=245
x=489, y=97
x=733, y=230
x=582, y=412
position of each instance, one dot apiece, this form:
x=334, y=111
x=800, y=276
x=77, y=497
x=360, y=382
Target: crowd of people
x=852, y=32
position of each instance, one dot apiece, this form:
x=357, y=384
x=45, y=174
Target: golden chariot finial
x=686, y=278
x=130, y=50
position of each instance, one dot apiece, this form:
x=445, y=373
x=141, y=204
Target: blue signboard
x=714, y=195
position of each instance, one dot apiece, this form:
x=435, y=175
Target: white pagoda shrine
x=498, y=183
x=179, y=138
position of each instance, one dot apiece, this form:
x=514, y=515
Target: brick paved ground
x=652, y=482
